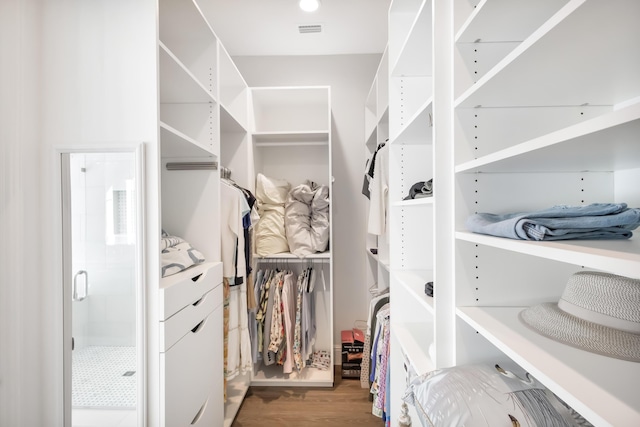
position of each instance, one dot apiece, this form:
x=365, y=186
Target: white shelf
x=563, y=58
x=402, y=18
x=423, y=201
x=418, y=129
x=370, y=133
x=602, y=389
x=618, y=257
x=234, y=93
x=307, y=377
x=414, y=340
x=278, y=139
x=518, y=19
x=290, y=256
x=229, y=123
x=176, y=144
x=415, y=58
x=372, y=255
x=605, y=143
x=182, y=22
x=371, y=142
x=296, y=109
x=382, y=88
x=177, y=83
x=413, y=281
x=185, y=31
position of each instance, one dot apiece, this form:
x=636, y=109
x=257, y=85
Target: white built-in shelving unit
x=546, y=112
x=190, y=77
x=511, y=106
x=377, y=132
x=208, y=114
x=411, y=223
x=291, y=140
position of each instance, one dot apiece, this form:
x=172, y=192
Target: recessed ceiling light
x=309, y=5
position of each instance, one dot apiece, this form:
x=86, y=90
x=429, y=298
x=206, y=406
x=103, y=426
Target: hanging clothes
x=288, y=317
x=380, y=361
x=370, y=171
x=379, y=187
x=234, y=211
x=233, y=208
x=308, y=322
x=269, y=357
x=285, y=318
x=375, y=304
x=297, y=335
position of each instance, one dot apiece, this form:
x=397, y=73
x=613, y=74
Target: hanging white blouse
x=233, y=207
x=379, y=189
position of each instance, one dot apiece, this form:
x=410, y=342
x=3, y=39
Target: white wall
x=350, y=78
x=21, y=305
x=72, y=73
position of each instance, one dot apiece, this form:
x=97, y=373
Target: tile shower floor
x=104, y=377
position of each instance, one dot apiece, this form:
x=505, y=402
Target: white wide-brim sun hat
x=598, y=312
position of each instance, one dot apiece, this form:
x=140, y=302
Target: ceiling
x=270, y=27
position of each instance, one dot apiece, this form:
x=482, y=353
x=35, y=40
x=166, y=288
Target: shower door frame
x=63, y=160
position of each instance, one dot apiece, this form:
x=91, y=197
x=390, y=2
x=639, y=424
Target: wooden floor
x=346, y=404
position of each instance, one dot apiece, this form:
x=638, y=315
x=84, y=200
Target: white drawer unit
x=184, y=288
x=191, y=359
x=175, y=327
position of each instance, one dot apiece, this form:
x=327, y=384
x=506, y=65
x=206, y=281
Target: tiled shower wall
x=107, y=316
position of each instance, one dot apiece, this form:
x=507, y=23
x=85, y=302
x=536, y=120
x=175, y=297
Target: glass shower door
x=102, y=285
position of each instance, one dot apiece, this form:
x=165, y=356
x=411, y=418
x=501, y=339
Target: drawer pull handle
x=197, y=303
x=196, y=278
x=200, y=412
x=198, y=326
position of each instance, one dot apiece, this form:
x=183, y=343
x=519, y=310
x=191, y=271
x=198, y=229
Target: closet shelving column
x=235, y=149
x=189, y=124
x=376, y=132
x=291, y=140
x=189, y=133
x=410, y=222
x=235, y=137
x=546, y=112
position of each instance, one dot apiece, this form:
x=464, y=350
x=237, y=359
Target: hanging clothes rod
x=178, y=166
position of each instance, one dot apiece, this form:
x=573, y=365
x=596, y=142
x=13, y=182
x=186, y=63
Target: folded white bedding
x=177, y=254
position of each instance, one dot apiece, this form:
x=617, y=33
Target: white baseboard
x=337, y=355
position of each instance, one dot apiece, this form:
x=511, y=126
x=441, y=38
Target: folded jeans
x=594, y=221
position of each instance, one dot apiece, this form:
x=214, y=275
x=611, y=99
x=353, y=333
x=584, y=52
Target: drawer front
x=186, y=287
x=181, y=323
x=189, y=372
x=209, y=414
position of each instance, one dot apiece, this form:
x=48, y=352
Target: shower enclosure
x=102, y=285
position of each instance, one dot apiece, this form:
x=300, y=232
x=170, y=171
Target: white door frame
x=63, y=234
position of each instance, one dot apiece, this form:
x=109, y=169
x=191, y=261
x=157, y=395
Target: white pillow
x=271, y=191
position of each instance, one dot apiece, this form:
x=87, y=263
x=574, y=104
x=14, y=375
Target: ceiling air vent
x=310, y=28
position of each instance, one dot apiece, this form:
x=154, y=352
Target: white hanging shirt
x=233, y=207
x=379, y=189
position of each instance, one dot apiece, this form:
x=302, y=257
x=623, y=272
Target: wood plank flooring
x=346, y=404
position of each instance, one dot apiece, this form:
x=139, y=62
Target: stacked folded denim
x=595, y=221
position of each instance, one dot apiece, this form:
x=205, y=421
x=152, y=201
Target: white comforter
x=306, y=219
